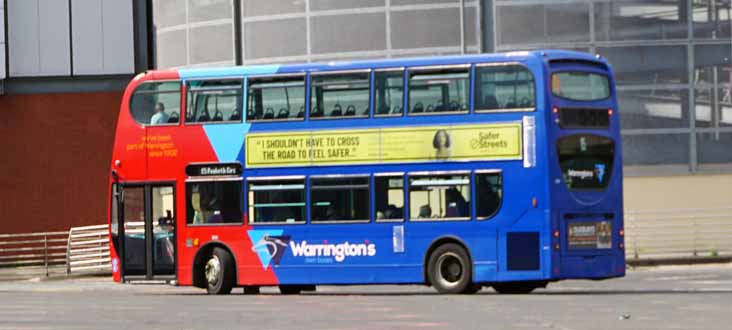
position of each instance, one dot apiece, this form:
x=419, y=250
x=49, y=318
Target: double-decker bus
x=457, y=172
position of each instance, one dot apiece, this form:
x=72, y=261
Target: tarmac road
x=673, y=297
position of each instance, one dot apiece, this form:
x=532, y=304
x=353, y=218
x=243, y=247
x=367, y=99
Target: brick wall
x=55, y=152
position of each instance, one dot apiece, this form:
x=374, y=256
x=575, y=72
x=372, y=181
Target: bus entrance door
x=147, y=225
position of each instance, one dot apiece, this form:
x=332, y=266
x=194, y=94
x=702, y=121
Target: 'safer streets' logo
x=270, y=246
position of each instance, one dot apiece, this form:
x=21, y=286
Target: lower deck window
x=488, y=194
x=213, y=202
x=339, y=199
x=389, y=197
x=439, y=197
x=276, y=201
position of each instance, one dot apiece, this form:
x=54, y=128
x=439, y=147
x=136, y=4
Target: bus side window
x=488, y=194
x=439, y=197
x=439, y=90
x=156, y=103
x=339, y=199
x=504, y=87
x=342, y=95
x=276, y=98
x=213, y=202
x=277, y=201
x=389, y=197
x=214, y=101
x=388, y=93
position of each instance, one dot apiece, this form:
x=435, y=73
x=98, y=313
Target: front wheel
x=219, y=272
x=449, y=269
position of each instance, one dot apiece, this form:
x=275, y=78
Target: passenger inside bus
x=456, y=206
x=159, y=117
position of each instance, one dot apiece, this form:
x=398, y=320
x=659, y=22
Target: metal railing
x=88, y=250
x=35, y=253
x=658, y=234
x=678, y=233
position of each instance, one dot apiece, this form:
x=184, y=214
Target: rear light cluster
x=621, y=233
x=556, y=240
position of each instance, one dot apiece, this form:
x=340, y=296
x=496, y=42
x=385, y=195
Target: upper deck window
x=439, y=90
x=156, y=103
x=580, y=86
x=504, y=87
x=388, y=93
x=214, y=101
x=339, y=95
x=276, y=98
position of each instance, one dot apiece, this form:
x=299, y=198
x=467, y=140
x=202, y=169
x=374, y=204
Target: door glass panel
x=134, y=222
x=163, y=224
x=114, y=218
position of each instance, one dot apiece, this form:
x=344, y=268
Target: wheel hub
x=450, y=268
x=213, y=269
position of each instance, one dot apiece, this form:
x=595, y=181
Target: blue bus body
x=527, y=240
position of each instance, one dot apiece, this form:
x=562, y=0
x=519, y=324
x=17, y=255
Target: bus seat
x=418, y=107
x=269, y=114
x=283, y=113
x=337, y=110
x=218, y=116
x=351, y=110
x=454, y=106
x=174, y=118
x=383, y=109
x=317, y=112
x=235, y=116
x=204, y=116
x=490, y=102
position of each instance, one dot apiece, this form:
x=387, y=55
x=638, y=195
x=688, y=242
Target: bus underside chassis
x=449, y=271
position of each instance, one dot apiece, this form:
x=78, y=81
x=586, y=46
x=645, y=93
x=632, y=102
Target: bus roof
x=384, y=63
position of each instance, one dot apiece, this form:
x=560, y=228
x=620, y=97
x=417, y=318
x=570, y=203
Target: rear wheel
x=219, y=272
x=449, y=269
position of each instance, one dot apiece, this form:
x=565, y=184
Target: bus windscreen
x=586, y=160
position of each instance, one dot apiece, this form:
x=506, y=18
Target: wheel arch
x=199, y=280
x=435, y=244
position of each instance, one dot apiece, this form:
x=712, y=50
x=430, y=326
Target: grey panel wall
x=38, y=37
x=672, y=68
x=197, y=32
x=102, y=33
x=2, y=40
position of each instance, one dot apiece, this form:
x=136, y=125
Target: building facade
x=63, y=67
x=65, y=63
x=671, y=58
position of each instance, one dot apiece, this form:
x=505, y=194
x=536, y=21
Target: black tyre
x=449, y=269
x=517, y=287
x=290, y=289
x=219, y=272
